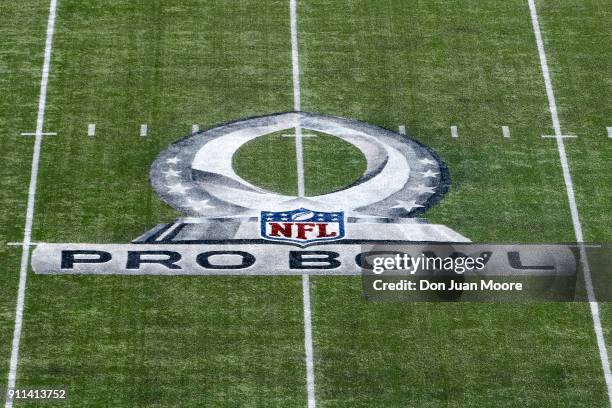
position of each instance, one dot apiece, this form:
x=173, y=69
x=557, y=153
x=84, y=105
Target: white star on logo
x=177, y=189
x=429, y=173
x=407, y=205
x=427, y=161
x=423, y=189
x=198, y=206
x=171, y=173
x=173, y=160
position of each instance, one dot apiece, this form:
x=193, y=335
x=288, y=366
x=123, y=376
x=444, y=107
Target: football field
x=514, y=96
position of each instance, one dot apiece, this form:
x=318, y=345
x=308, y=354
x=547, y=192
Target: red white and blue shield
x=302, y=226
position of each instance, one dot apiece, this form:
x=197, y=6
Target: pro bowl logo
x=302, y=226
x=231, y=226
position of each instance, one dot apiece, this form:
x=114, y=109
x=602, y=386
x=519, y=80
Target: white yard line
x=91, y=129
x=454, y=132
x=295, y=59
x=27, y=234
x=299, y=159
x=299, y=154
x=297, y=98
x=195, y=128
x=144, y=129
x=308, y=341
x=402, y=129
x=609, y=128
x=601, y=344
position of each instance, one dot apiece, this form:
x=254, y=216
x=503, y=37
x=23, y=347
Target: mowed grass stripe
x=167, y=341
x=395, y=63
x=391, y=63
x=569, y=187
x=578, y=49
x=581, y=63
x=149, y=341
x=21, y=55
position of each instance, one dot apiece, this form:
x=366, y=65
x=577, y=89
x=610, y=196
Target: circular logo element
x=402, y=178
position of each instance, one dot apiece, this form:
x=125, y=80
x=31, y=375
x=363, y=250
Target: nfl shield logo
x=302, y=226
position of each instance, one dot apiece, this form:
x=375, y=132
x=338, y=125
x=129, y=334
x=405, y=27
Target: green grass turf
x=155, y=341
x=166, y=341
x=457, y=355
x=579, y=55
x=269, y=162
x=329, y=163
x=22, y=28
x=579, y=51
x=421, y=65
x=179, y=342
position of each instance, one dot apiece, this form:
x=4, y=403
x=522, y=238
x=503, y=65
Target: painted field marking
x=454, y=132
x=299, y=154
x=36, y=134
x=195, y=128
x=569, y=186
x=506, y=132
x=303, y=135
x=21, y=243
x=91, y=129
x=297, y=98
x=402, y=129
x=308, y=341
x=559, y=136
x=169, y=231
x=609, y=128
x=295, y=57
x=27, y=233
x=143, y=130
